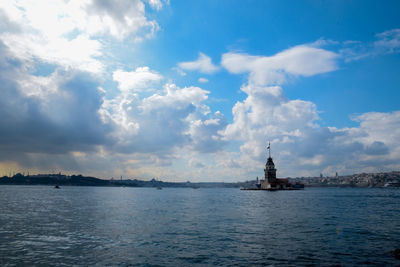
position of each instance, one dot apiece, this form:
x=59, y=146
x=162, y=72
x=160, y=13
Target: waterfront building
x=270, y=181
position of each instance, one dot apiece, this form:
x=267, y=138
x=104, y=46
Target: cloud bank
x=292, y=125
x=68, y=34
x=70, y=118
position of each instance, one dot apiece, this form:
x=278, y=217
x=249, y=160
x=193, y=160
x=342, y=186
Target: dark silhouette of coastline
x=79, y=180
x=53, y=179
x=354, y=180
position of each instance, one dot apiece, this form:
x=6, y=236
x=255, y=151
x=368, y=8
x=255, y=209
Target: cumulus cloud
x=52, y=114
x=63, y=121
x=300, y=146
x=357, y=149
x=175, y=117
x=137, y=80
x=267, y=114
x=120, y=18
x=205, y=131
x=380, y=127
x=66, y=34
x=78, y=53
x=203, y=64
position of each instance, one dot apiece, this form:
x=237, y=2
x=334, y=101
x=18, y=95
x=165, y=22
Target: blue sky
x=194, y=90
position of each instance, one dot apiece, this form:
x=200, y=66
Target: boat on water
x=298, y=185
x=392, y=184
x=56, y=186
x=159, y=188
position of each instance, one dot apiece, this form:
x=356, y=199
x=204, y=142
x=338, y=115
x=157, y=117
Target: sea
x=123, y=226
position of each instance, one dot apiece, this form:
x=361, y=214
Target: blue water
x=85, y=226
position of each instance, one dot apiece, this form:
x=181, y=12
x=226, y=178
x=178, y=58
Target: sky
x=195, y=90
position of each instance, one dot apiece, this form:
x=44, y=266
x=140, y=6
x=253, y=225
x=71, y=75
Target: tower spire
x=269, y=149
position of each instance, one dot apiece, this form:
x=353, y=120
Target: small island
x=270, y=182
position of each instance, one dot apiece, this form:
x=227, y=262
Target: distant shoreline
x=355, y=180
x=79, y=180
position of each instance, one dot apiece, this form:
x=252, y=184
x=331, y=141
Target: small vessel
x=392, y=184
x=56, y=186
x=159, y=187
x=298, y=185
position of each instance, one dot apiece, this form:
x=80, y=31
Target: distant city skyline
x=195, y=90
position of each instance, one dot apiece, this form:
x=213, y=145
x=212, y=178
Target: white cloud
x=64, y=120
x=52, y=114
x=203, y=64
x=64, y=32
x=388, y=41
x=301, y=147
x=205, y=131
x=57, y=18
x=175, y=117
x=156, y=4
x=137, y=80
x=380, y=126
x=267, y=114
x=68, y=125
x=119, y=18
x=203, y=80
x=300, y=60
x=79, y=53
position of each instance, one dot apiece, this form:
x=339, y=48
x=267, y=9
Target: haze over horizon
x=195, y=90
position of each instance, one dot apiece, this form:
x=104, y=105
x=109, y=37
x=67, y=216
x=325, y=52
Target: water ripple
x=206, y=227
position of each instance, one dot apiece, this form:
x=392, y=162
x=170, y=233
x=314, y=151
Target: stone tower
x=270, y=171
